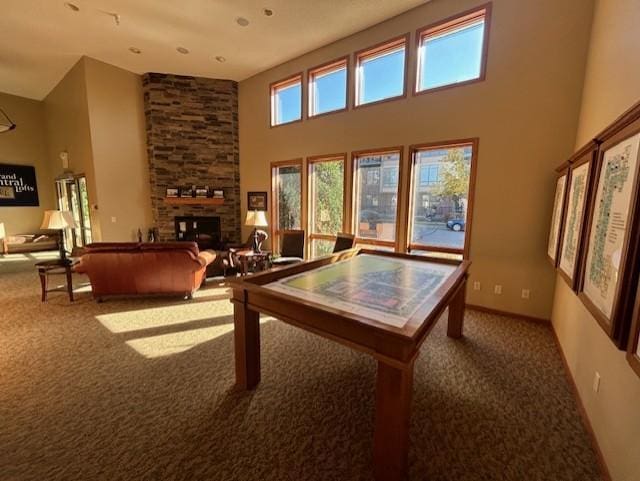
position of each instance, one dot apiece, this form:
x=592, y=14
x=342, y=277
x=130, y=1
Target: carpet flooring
x=142, y=389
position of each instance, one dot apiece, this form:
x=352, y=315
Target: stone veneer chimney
x=192, y=139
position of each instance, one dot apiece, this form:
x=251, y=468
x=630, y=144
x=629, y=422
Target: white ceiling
x=40, y=40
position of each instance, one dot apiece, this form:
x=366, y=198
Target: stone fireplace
x=192, y=138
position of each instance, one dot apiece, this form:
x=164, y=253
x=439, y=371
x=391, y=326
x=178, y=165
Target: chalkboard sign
x=18, y=186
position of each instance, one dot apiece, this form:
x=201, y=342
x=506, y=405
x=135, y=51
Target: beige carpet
x=141, y=389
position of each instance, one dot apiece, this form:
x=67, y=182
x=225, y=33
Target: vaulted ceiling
x=41, y=39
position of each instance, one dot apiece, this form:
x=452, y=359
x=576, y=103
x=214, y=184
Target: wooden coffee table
x=55, y=267
x=379, y=303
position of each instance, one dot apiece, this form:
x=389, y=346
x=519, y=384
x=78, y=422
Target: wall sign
x=18, y=186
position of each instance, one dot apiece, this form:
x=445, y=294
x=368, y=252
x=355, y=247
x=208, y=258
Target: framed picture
x=557, y=215
x=633, y=348
x=610, y=267
x=172, y=192
x=256, y=201
x=186, y=192
x=201, y=192
x=578, y=195
x=218, y=193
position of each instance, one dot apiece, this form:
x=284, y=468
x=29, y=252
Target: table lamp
x=59, y=220
x=255, y=219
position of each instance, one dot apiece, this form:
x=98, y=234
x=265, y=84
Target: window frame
x=474, y=142
x=322, y=68
x=372, y=51
x=283, y=83
x=311, y=161
x=275, y=232
x=452, y=23
x=355, y=155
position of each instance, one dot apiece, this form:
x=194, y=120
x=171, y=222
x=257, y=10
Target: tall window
x=376, y=192
x=441, y=196
x=380, y=72
x=328, y=88
x=286, y=100
x=72, y=196
x=326, y=202
x=286, y=183
x=453, y=51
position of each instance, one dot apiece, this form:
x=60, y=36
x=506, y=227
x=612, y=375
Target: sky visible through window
x=288, y=104
x=381, y=77
x=452, y=57
x=330, y=91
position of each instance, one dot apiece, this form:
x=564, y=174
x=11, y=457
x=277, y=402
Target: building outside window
x=441, y=183
x=376, y=203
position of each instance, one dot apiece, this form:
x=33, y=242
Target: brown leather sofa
x=131, y=268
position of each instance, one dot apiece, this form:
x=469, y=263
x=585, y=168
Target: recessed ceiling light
x=72, y=6
x=243, y=22
x=221, y=59
x=135, y=50
x=182, y=50
x=267, y=11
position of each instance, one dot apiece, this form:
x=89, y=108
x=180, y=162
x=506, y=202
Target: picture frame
x=557, y=215
x=633, y=346
x=257, y=201
x=172, y=192
x=610, y=264
x=201, y=192
x=18, y=186
x=186, y=192
x=579, y=191
x=218, y=193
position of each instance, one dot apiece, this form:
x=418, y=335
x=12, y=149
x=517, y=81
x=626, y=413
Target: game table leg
x=246, y=335
x=456, y=312
x=394, y=388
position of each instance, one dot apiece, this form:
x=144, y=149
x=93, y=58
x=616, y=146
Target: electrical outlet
x=113, y=219
x=526, y=293
x=497, y=289
x=596, y=382
x=476, y=285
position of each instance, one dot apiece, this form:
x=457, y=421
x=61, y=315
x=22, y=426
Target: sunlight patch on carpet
x=154, y=317
x=177, y=342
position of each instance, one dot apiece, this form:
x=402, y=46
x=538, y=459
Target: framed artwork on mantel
x=578, y=195
x=558, y=213
x=609, y=275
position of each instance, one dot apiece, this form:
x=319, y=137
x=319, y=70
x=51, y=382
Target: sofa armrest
x=206, y=257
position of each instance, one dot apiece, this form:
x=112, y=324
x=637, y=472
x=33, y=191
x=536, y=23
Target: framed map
x=386, y=289
x=556, y=218
x=571, y=238
x=607, y=273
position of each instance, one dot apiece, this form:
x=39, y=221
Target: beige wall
x=611, y=86
x=525, y=115
x=96, y=114
x=116, y=116
x=26, y=146
x=67, y=129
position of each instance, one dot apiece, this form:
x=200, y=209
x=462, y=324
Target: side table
x=55, y=267
x=258, y=261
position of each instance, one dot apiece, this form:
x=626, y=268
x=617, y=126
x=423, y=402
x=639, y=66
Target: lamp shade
x=58, y=220
x=3, y=233
x=256, y=218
